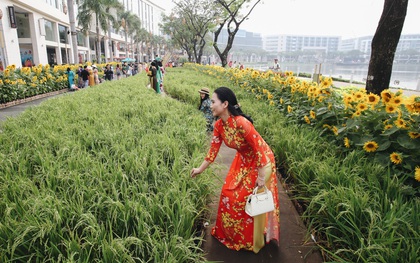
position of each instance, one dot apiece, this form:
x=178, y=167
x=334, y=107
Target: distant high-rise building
x=364, y=45
x=294, y=43
x=243, y=40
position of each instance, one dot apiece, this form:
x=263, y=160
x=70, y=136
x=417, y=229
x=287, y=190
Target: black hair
x=226, y=94
x=206, y=96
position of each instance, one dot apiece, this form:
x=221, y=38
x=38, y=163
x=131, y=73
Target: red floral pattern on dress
x=234, y=228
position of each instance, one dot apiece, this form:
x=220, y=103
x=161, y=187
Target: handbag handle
x=254, y=192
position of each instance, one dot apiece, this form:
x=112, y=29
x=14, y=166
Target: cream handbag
x=259, y=203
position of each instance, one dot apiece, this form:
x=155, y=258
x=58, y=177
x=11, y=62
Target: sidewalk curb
x=28, y=99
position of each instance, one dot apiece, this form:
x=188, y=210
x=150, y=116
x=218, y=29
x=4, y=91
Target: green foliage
x=102, y=174
x=358, y=210
x=19, y=83
x=387, y=128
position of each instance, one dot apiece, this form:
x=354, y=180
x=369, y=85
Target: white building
x=364, y=44
x=37, y=32
x=294, y=43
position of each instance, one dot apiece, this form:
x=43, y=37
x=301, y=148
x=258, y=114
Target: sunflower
x=356, y=114
x=413, y=104
x=390, y=108
x=414, y=135
x=372, y=99
x=386, y=95
x=281, y=101
x=417, y=173
x=312, y=114
x=348, y=100
x=400, y=123
x=362, y=107
x=289, y=109
x=396, y=100
x=346, y=142
x=388, y=126
x=358, y=95
x=370, y=146
x=289, y=73
x=326, y=82
x=396, y=158
x=255, y=74
x=307, y=120
x=334, y=130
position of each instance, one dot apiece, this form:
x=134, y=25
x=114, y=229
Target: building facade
x=297, y=43
x=363, y=44
x=36, y=32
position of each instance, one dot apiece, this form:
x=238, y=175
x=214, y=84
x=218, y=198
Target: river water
x=405, y=76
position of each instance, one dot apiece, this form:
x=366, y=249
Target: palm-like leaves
x=128, y=22
x=98, y=10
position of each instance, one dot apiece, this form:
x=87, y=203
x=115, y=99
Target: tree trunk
x=98, y=43
x=73, y=32
x=111, y=55
x=126, y=43
x=384, y=45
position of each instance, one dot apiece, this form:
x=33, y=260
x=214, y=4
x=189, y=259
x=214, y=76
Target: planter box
x=36, y=97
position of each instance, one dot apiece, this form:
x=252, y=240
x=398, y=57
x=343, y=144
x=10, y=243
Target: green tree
x=113, y=8
x=189, y=25
x=128, y=21
x=180, y=36
x=384, y=45
x=229, y=17
x=97, y=10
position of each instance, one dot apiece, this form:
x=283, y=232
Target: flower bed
x=355, y=209
x=386, y=127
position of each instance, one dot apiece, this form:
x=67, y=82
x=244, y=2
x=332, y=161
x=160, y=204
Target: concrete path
x=293, y=247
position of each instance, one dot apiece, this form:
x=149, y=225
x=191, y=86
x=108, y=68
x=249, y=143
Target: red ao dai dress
x=234, y=228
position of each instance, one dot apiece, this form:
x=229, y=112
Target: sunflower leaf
x=408, y=143
x=390, y=131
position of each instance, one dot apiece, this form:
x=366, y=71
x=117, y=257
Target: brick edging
x=36, y=97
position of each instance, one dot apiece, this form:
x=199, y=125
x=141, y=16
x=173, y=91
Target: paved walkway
x=293, y=246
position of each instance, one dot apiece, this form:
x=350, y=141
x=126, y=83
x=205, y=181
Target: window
x=62, y=31
x=23, y=28
x=49, y=31
x=80, y=39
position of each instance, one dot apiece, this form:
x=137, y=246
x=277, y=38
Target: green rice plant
x=102, y=175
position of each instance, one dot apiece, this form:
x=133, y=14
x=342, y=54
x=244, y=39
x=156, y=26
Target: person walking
x=108, y=72
x=118, y=71
x=152, y=76
x=85, y=77
x=95, y=74
x=253, y=165
x=80, y=82
x=70, y=77
x=205, y=107
x=91, y=76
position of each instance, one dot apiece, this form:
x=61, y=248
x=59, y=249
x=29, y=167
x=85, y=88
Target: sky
x=345, y=18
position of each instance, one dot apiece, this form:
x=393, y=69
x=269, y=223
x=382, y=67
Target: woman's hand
x=264, y=174
x=260, y=181
x=195, y=172
x=199, y=170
